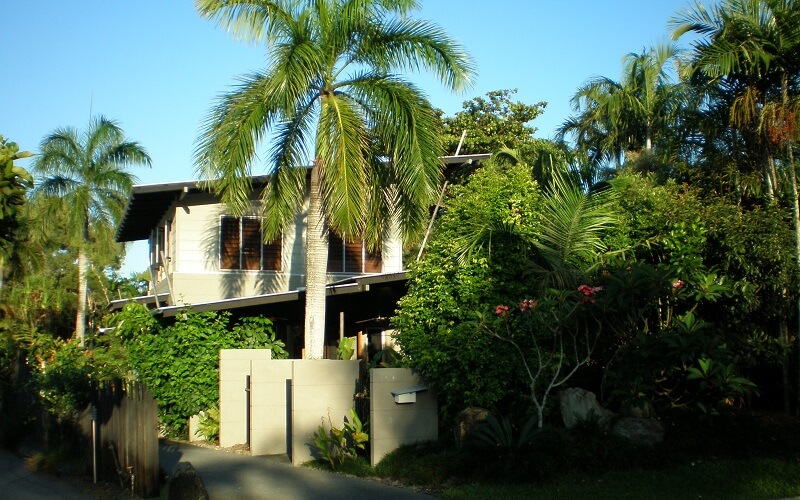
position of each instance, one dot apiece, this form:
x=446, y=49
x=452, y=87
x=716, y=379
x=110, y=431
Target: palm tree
x=749, y=48
x=618, y=117
x=83, y=176
x=752, y=49
x=331, y=92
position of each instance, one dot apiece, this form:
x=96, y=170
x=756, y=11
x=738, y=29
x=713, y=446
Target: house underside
x=359, y=305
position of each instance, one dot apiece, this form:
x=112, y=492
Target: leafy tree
x=752, y=47
x=707, y=243
x=332, y=92
x=84, y=178
x=433, y=320
x=498, y=125
x=15, y=182
x=491, y=124
x=180, y=362
x=632, y=115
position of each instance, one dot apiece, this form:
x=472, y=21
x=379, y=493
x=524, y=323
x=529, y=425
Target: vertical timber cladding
x=126, y=435
x=234, y=372
x=320, y=388
x=393, y=424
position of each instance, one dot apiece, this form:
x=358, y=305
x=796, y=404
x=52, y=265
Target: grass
x=728, y=479
x=744, y=456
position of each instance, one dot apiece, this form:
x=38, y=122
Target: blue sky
x=156, y=67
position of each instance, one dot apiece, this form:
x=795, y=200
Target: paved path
x=228, y=475
x=18, y=483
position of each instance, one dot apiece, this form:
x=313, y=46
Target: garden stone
x=466, y=422
x=579, y=405
x=641, y=431
x=186, y=484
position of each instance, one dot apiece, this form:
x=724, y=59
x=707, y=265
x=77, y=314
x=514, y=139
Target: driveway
x=228, y=475
x=18, y=483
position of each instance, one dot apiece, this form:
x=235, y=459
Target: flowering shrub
x=553, y=337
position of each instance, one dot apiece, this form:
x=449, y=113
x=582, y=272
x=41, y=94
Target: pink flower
x=677, y=285
x=589, y=290
x=501, y=309
x=527, y=305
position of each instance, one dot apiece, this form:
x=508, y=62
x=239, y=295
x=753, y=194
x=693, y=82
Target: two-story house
x=205, y=258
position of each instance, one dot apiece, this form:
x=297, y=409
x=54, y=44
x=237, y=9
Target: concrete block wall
x=270, y=421
x=319, y=388
x=234, y=368
x=393, y=424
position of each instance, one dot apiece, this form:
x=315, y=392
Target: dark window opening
x=242, y=246
x=351, y=257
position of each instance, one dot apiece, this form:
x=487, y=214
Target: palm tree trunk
x=80, y=319
x=316, y=269
x=796, y=220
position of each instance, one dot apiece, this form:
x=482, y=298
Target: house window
x=242, y=246
x=351, y=257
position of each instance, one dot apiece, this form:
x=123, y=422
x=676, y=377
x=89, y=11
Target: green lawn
x=746, y=479
x=749, y=455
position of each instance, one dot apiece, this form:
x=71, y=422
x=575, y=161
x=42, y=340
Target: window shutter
x=251, y=244
x=272, y=256
x=335, y=254
x=229, y=243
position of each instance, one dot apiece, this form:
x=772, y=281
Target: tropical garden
x=648, y=253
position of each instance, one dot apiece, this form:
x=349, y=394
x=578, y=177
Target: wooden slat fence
x=127, y=436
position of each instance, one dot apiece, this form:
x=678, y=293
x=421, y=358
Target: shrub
x=335, y=445
x=180, y=363
x=208, y=424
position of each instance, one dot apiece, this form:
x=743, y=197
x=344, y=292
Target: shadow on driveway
x=18, y=483
x=228, y=475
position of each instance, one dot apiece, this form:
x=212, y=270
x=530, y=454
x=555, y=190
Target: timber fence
x=124, y=421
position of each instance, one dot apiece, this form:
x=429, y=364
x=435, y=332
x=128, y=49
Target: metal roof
x=349, y=285
x=148, y=203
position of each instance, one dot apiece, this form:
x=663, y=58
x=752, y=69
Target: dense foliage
x=180, y=362
x=433, y=318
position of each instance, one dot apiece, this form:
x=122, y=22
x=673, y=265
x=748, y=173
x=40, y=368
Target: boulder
x=639, y=431
x=579, y=405
x=466, y=422
x=186, y=484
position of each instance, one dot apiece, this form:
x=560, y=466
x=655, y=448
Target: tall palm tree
x=752, y=49
x=84, y=177
x=617, y=117
x=332, y=91
x=749, y=48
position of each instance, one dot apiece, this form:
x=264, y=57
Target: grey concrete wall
x=393, y=424
x=234, y=368
x=270, y=422
x=319, y=388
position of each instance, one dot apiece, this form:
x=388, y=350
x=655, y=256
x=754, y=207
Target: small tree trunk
x=316, y=269
x=80, y=319
x=796, y=221
x=784, y=333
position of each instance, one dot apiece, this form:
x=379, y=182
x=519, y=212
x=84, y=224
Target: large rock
x=640, y=431
x=186, y=484
x=579, y=405
x=466, y=422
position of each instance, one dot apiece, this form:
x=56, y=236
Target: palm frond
x=231, y=133
x=248, y=20
x=410, y=44
x=343, y=146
